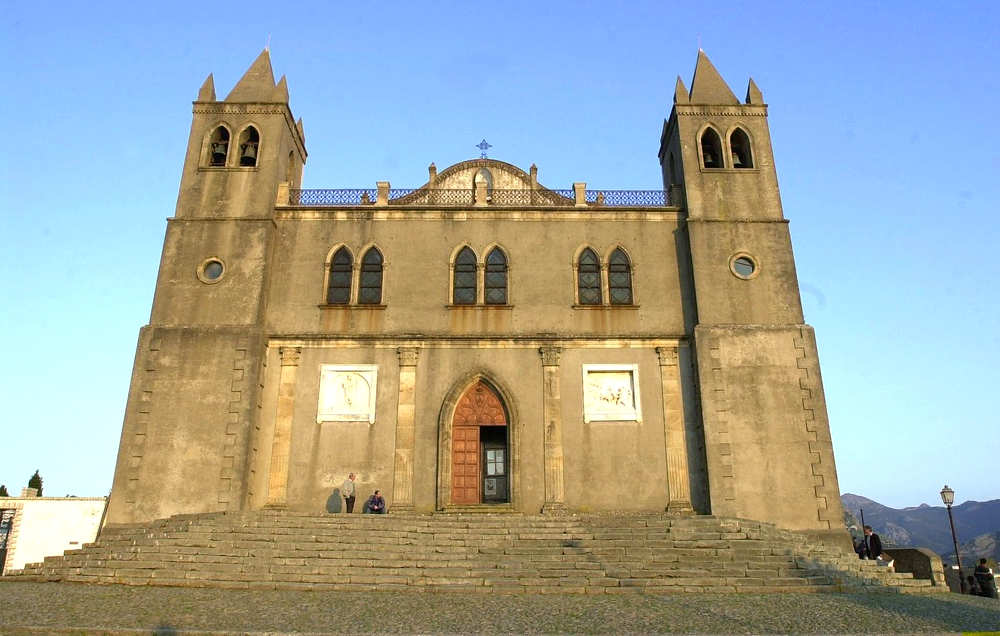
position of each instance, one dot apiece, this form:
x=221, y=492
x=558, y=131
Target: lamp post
x=948, y=497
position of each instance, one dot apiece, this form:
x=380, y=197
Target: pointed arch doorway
x=480, y=457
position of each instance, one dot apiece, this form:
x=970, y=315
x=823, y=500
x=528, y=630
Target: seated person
x=375, y=504
x=984, y=576
x=972, y=585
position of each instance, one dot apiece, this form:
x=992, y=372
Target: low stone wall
x=48, y=526
x=921, y=562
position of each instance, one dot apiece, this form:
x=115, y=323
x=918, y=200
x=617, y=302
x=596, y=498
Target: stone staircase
x=582, y=553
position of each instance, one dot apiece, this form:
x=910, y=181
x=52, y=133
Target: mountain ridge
x=977, y=525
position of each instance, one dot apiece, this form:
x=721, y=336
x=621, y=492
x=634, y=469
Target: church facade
x=482, y=342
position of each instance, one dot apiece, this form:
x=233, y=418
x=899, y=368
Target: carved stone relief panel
x=347, y=393
x=611, y=393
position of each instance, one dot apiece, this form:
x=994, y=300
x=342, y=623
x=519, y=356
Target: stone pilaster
x=281, y=445
x=402, y=474
x=555, y=497
x=674, y=433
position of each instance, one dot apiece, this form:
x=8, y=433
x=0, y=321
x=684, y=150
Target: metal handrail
x=503, y=198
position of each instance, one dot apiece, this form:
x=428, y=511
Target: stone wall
x=921, y=562
x=605, y=465
x=48, y=526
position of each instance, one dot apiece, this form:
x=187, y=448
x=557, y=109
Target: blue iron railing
x=542, y=197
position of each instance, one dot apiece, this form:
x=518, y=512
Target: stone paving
x=27, y=607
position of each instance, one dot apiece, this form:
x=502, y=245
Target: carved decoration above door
x=480, y=406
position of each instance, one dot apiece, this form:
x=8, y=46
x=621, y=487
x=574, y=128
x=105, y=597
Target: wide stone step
x=603, y=553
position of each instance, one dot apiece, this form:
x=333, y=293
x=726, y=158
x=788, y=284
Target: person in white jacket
x=347, y=490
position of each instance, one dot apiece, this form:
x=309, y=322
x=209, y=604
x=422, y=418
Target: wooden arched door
x=479, y=457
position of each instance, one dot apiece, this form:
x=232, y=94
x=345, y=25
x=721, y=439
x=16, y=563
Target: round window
x=211, y=270
x=743, y=266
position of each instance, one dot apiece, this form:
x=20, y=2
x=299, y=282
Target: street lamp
x=948, y=497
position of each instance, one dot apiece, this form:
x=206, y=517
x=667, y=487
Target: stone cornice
x=747, y=110
x=690, y=220
x=411, y=213
x=327, y=341
x=198, y=219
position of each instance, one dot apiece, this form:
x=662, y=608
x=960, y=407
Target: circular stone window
x=211, y=270
x=743, y=266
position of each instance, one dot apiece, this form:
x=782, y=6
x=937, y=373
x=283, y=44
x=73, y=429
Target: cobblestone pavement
x=81, y=608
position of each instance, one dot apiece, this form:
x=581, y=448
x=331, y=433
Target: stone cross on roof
x=484, y=146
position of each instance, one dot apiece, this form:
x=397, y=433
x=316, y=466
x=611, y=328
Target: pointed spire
x=302, y=131
x=680, y=92
x=207, y=91
x=281, y=91
x=708, y=87
x=257, y=83
x=753, y=94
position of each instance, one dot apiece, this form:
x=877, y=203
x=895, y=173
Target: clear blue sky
x=884, y=138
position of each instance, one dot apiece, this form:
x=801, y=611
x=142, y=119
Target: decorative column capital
x=667, y=356
x=408, y=356
x=290, y=356
x=550, y=356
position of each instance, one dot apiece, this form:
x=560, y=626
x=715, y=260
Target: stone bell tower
x=195, y=384
x=767, y=436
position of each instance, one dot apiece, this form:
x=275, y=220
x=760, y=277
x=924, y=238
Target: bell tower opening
x=480, y=444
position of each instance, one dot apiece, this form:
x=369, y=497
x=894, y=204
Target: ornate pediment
x=497, y=174
x=499, y=183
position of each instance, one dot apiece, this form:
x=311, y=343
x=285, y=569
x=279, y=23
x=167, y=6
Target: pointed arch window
x=711, y=149
x=464, y=289
x=370, y=290
x=218, y=147
x=249, y=142
x=620, y=278
x=290, y=171
x=496, y=277
x=338, y=291
x=739, y=143
x=588, y=275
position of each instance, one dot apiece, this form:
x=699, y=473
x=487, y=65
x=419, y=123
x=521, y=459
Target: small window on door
x=494, y=462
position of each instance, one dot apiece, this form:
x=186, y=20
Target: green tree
x=3, y=491
x=36, y=483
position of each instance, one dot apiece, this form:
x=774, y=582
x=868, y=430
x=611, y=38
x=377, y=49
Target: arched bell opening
x=218, y=147
x=739, y=143
x=249, y=143
x=711, y=149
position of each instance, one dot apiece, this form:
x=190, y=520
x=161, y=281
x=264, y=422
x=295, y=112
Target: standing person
x=984, y=576
x=873, y=545
x=375, y=504
x=348, y=491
